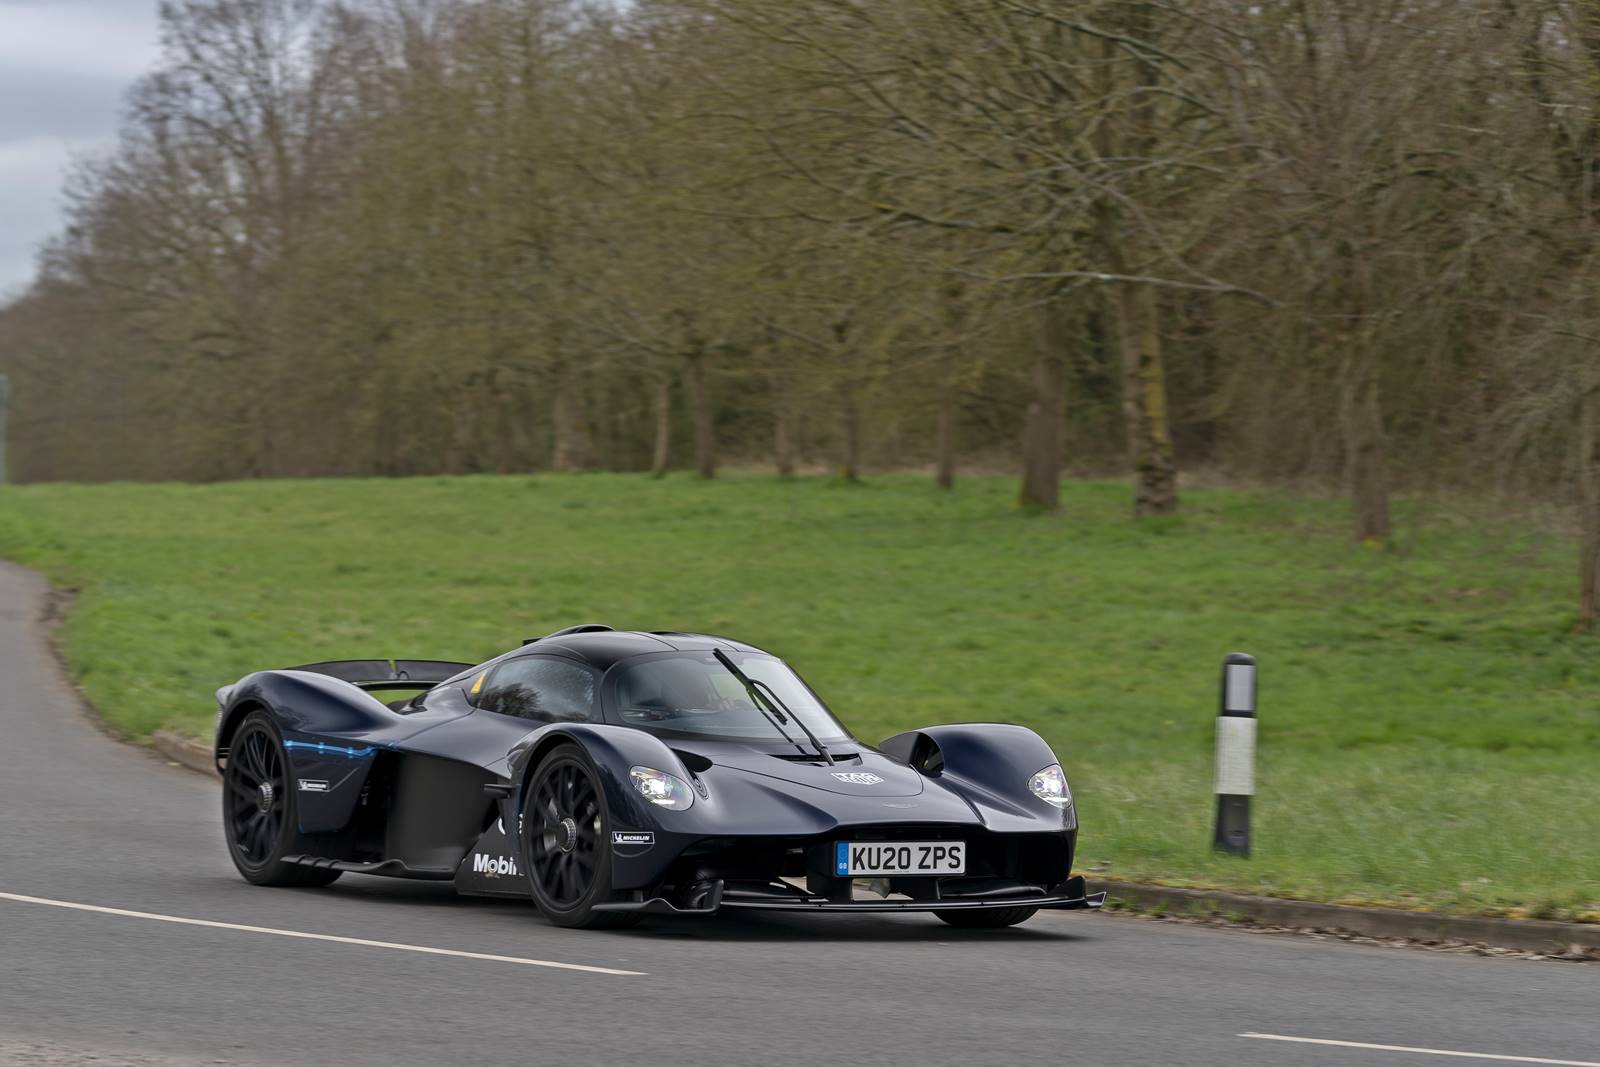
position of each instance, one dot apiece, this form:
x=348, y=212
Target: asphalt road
x=87, y=821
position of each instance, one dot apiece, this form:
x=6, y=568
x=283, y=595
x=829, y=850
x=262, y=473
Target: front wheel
x=985, y=918
x=258, y=812
x=566, y=842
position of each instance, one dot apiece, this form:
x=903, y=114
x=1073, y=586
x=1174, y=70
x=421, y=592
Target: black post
x=1236, y=754
x=5, y=404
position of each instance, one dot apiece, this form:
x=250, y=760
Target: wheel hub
x=567, y=835
x=265, y=796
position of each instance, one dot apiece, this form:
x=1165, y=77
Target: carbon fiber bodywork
x=435, y=787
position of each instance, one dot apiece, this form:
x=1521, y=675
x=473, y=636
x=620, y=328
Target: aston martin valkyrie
x=608, y=775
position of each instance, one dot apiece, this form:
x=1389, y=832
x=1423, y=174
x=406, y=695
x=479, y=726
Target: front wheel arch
x=551, y=758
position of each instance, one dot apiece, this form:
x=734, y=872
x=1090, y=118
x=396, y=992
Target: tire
x=565, y=835
x=985, y=918
x=258, y=808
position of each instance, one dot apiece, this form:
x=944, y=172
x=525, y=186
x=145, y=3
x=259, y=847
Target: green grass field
x=1430, y=731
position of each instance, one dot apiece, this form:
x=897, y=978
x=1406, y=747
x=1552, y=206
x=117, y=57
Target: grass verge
x=1430, y=733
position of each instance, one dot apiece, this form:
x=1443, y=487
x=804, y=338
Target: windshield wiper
x=772, y=695
x=775, y=717
x=764, y=697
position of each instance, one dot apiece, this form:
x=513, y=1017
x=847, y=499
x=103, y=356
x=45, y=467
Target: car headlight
x=659, y=787
x=1050, y=785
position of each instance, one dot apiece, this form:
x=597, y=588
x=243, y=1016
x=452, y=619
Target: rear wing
x=388, y=674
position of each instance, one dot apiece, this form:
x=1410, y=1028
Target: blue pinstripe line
x=322, y=748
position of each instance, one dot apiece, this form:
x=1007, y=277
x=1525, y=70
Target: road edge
x=1572, y=940
x=185, y=751
x=54, y=606
x=1543, y=937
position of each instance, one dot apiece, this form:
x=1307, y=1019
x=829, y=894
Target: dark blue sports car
x=609, y=775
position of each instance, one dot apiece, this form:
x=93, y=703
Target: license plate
x=855, y=858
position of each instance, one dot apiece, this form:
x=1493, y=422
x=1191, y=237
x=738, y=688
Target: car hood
x=868, y=774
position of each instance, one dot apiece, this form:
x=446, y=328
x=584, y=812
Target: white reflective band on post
x=1236, y=756
x=1239, y=693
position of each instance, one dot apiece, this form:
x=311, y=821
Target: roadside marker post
x=1236, y=754
x=5, y=402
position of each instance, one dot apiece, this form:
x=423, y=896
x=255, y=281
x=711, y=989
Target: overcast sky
x=64, y=65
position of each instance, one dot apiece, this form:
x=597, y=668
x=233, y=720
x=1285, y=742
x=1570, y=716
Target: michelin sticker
x=313, y=785
x=644, y=838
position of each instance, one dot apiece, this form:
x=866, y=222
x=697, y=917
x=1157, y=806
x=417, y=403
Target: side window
x=541, y=688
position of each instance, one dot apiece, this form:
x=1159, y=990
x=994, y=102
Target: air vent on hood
x=693, y=761
x=812, y=757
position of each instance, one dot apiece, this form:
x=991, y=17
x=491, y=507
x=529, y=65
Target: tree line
x=1347, y=240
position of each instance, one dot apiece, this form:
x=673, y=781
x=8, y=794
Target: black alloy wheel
x=258, y=809
x=564, y=842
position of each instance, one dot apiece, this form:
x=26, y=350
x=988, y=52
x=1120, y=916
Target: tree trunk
x=1041, y=435
x=1589, y=489
x=945, y=460
x=783, y=450
x=573, y=446
x=1144, y=376
x=663, y=450
x=850, y=459
x=1144, y=401
x=782, y=446
x=458, y=446
x=1366, y=460
x=705, y=443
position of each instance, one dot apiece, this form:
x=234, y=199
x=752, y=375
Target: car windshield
x=692, y=693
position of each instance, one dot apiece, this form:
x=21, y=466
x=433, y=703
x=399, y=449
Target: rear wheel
x=985, y=918
x=258, y=809
x=565, y=841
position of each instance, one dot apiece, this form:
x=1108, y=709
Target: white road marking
x=318, y=937
x=1424, y=1051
